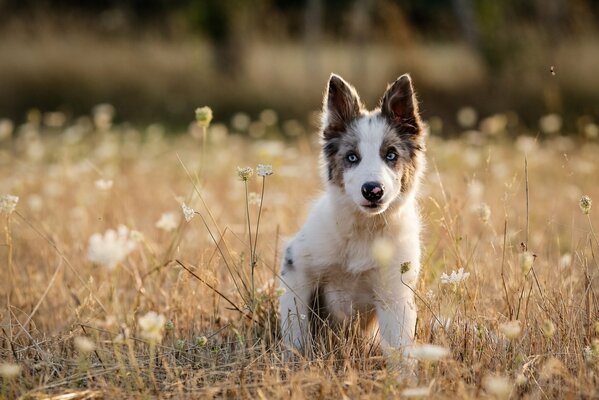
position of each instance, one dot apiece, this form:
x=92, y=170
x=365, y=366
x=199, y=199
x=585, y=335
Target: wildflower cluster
x=111, y=248
x=8, y=203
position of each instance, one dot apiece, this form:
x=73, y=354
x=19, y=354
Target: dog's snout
x=372, y=191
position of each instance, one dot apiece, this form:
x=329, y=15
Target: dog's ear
x=399, y=104
x=341, y=104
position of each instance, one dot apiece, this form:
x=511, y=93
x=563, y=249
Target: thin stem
x=247, y=211
x=592, y=230
x=259, y=214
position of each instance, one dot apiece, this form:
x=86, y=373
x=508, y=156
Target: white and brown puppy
x=372, y=162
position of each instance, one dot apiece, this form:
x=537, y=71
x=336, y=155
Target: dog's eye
x=352, y=158
x=391, y=156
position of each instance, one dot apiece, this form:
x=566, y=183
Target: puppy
x=371, y=165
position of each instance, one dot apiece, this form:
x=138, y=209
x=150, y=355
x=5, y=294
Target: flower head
x=204, y=116
x=585, y=204
x=201, y=341
x=103, y=184
x=484, y=212
x=8, y=203
x=499, y=386
x=417, y=392
x=264, y=170
x=168, y=222
x=245, y=173
x=526, y=261
x=511, y=329
x=152, y=325
x=428, y=352
x=548, y=328
x=111, y=248
x=455, y=277
x=84, y=344
x=9, y=371
x=188, y=212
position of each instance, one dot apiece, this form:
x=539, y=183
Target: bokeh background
x=156, y=60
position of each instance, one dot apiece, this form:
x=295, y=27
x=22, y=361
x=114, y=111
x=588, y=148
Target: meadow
x=137, y=264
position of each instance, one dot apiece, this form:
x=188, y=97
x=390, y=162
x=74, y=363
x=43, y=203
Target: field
x=75, y=310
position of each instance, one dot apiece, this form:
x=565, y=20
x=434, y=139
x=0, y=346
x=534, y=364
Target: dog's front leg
x=294, y=305
x=397, y=324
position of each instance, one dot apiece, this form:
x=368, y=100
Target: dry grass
x=52, y=294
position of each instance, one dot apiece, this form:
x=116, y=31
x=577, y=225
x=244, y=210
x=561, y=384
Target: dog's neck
x=398, y=218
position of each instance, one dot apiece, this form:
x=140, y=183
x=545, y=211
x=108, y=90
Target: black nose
x=372, y=191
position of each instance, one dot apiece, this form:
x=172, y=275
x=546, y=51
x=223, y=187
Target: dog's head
x=373, y=157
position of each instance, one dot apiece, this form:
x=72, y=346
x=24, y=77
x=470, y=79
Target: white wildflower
x=8, y=203
x=84, y=344
x=188, y=212
x=168, y=222
x=201, y=341
x=152, y=325
x=204, y=116
x=417, y=392
x=103, y=184
x=511, y=329
x=9, y=371
x=565, y=260
x=428, y=352
x=484, y=212
x=264, y=170
x=111, y=248
x=455, y=277
x=499, y=386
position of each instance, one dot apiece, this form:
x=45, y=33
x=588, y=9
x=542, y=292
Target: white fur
x=335, y=247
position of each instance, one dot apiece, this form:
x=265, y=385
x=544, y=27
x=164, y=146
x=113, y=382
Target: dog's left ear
x=399, y=104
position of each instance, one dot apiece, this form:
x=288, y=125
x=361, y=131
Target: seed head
x=201, y=341
x=511, y=329
x=188, y=212
x=9, y=371
x=585, y=204
x=245, y=173
x=204, y=116
x=169, y=326
x=180, y=344
x=526, y=261
x=548, y=328
x=84, y=345
x=111, y=248
x=499, y=386
x=8, y=203
x=484, y=212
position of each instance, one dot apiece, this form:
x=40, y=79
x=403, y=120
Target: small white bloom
x=428, y=352
x=499, y=386
x=168, y=222
x=111, y=248
x=188, y=212
x=103, y=184
x=9, y=371
x=302, y=316
x=84, y=344
x=511, y=329
x=152, y=325
x=455, y=277
x=417, y=392
x=8, y=203
x=565, y=260
x=484, y=212
x=264, y=170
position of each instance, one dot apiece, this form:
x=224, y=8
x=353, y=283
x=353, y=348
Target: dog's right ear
x=341, y=105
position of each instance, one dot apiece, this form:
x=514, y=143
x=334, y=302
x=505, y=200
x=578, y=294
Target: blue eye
x=352, y=158
x=391, y=156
